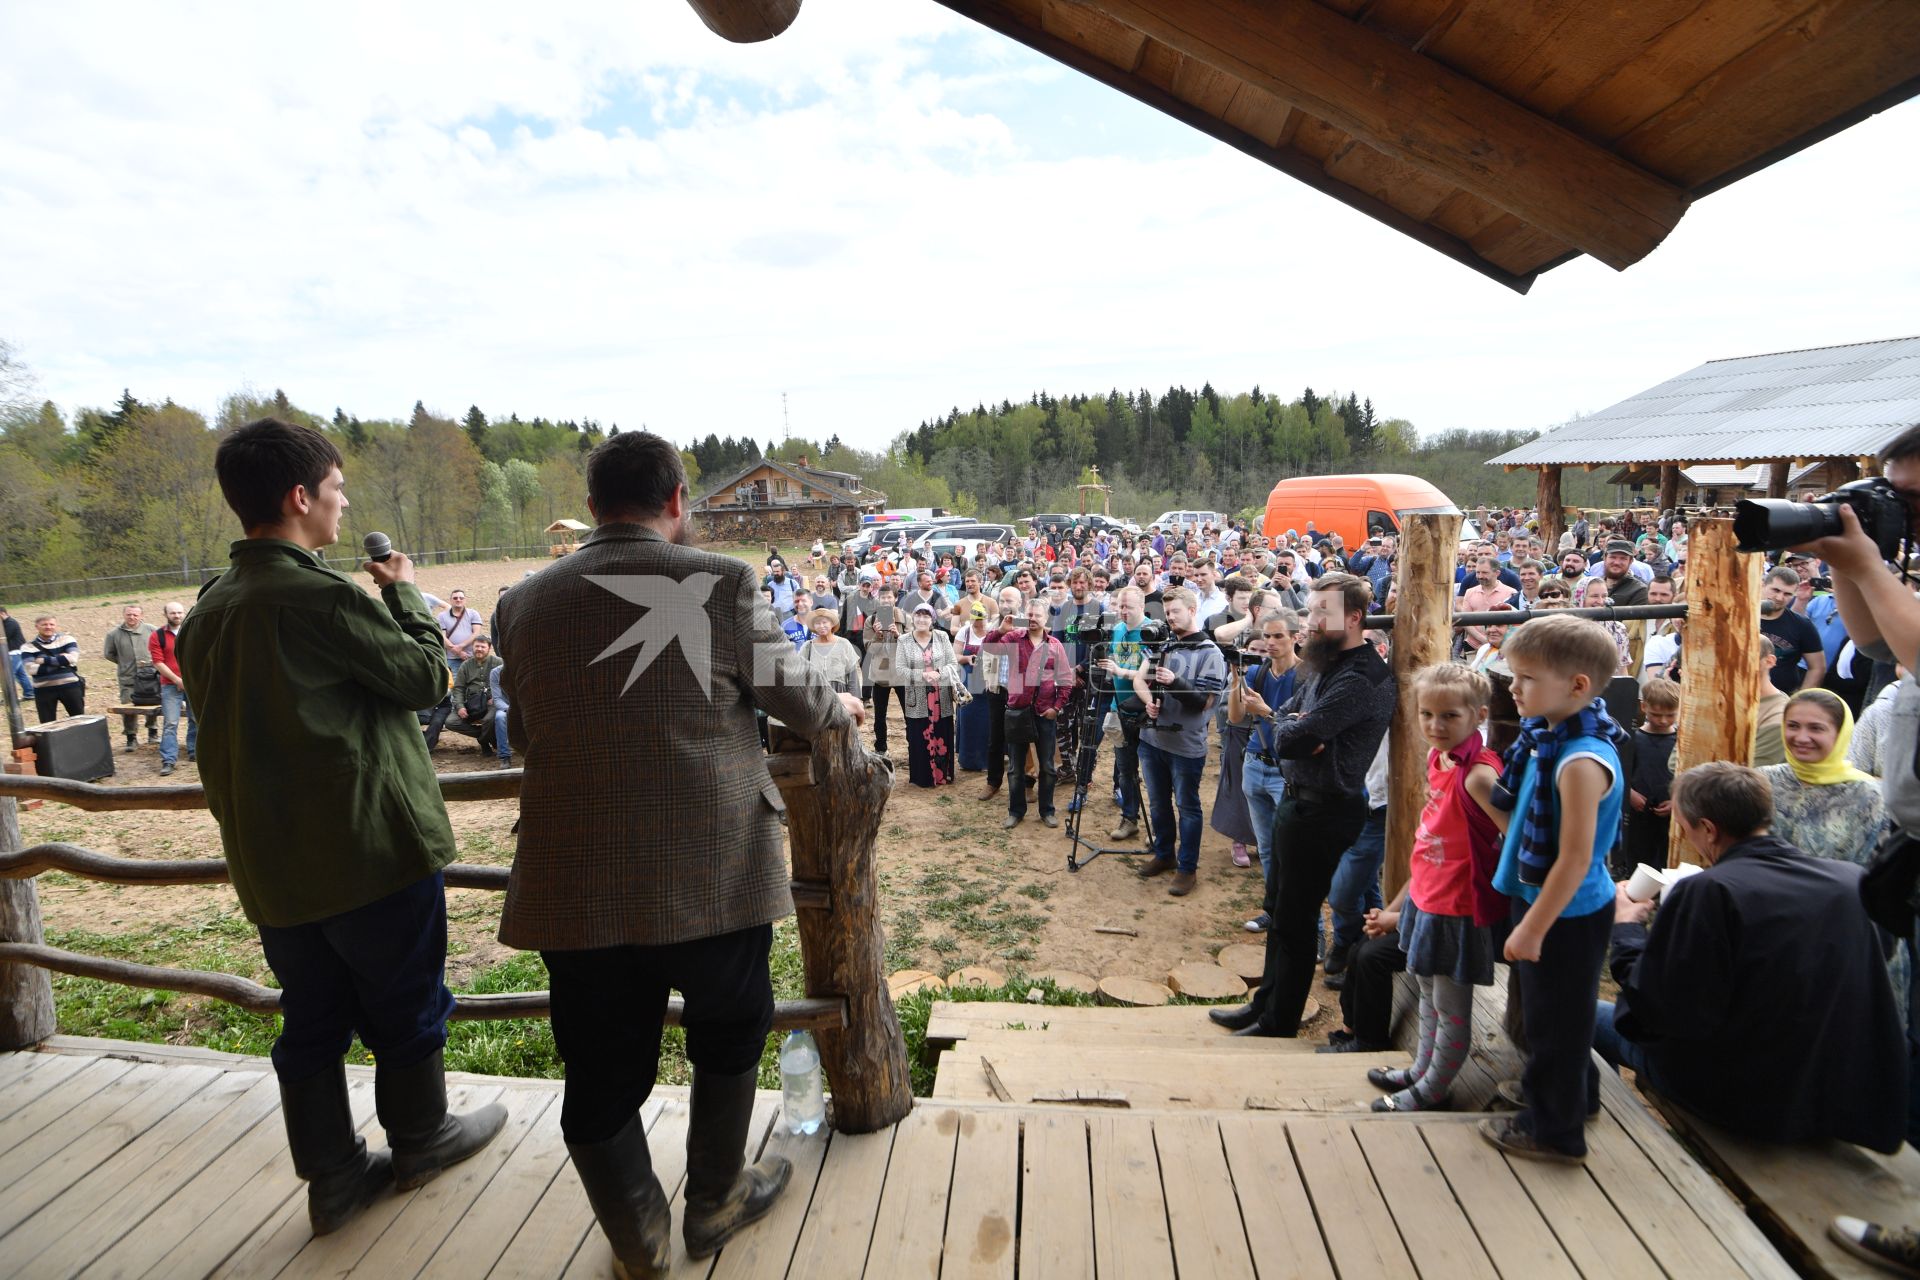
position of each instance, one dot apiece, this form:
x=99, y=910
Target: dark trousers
x=375, y=970
x=1126, y=767
x=437, y=720
x=1366, y=1001
x=1558, y=996
x=882, y=695
x=609, y=1003
x=50, y=698
x=1024, y=728
x=996, y=736
x=1311, y=831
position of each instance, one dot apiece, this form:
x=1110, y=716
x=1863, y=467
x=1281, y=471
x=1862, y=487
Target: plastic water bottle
x=802, y=1099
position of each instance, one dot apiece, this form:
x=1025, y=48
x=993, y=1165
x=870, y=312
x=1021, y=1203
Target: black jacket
x=1345, y=709
x=1761, y=997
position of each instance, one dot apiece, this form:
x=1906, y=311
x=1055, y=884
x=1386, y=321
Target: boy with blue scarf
x=1562, y=791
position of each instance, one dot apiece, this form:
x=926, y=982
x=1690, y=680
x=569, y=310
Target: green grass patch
x=916, y=1009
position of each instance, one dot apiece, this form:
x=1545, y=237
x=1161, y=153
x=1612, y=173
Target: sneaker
x=165, y=770
x=1338, y=982
x=1182, y=884
x=1508, y=1095
x=1506, y=1134
x=1895, y=1249
x=1049, y=820
x=1126, y=829
x=1012, y=822
x=1259, y=924
x=190, y=757
x=1240, y=858
x=1073, y=805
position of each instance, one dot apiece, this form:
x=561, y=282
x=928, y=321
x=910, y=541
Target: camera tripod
x=1086, y=756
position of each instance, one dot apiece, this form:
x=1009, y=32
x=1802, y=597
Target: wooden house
x=768, y=501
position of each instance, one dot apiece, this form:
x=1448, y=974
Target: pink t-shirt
x=1456, y=845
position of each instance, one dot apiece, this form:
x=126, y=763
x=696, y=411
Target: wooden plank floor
x=113, y=1166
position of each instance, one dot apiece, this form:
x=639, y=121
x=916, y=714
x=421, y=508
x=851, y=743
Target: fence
x=18, y=593
x=835, y=791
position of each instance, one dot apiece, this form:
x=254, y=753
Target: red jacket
x=1040, y=676
x=160, y=647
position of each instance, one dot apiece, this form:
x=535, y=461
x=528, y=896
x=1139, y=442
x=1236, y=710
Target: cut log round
x=1134, y=992
x=1206, y=982
x=975, y=975
x=908, y=981
x=1247, y=960
x=1309, y=1011
x=1068, y=980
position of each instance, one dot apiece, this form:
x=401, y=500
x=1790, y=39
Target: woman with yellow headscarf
x=1820, y=802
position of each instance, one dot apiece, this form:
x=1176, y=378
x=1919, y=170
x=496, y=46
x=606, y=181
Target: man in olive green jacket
x=330, y=815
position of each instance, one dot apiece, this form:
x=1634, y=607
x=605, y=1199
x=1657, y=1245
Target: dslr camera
x=1774, y=524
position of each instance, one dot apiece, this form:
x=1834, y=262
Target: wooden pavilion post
x=1720, y=649
x=26, y=992
x=1669, y=485
x=1553, y=517
x=746, y=21
x=834, y=805
x=1422, y=636
x=1777, y=478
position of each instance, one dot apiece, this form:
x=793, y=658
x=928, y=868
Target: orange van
x=1351, y=506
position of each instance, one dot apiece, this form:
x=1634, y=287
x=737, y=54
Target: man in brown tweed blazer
x=650, y=853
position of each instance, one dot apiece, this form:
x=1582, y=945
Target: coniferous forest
x=130, y=488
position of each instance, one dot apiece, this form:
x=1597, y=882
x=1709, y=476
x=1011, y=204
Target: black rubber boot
x=342, y=1176
x=412, y=1104
x=723, y=1195
x=628, y=1200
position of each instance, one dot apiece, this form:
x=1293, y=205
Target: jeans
x=173, y=703
x=1614, y=1047
x=1024, y=727
x=20, y=676
x=1312, y=834
x=1356, y=882
x=376, y=970
x=609, y=1003
x=1126, y=768
x=1263, y=786
x=500, y=735
x=1173, y=782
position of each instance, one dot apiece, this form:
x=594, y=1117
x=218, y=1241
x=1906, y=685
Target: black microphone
x=378, y=546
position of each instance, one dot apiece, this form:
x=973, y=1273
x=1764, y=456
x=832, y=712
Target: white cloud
x=606, y=211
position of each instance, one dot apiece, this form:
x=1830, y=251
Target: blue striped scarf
x=1541, y=742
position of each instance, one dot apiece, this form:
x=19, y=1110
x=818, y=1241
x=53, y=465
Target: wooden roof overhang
x=1510, y=135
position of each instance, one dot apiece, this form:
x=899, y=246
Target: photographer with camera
x=1178, y=693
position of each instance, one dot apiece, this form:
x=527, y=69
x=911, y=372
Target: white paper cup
x=1645, y=883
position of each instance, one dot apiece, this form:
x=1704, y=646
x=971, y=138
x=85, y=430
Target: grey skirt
x=1446, y=946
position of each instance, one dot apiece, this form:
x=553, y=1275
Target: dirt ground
x=956, y=888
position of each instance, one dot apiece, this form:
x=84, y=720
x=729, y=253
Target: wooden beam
x=1285, y=155
x=1720, y=678
x=746, y=21
x=1553, y=517
x=1669, y=486
x=1422, y=634
x=1417, y=110
x=26, y=996
x=1777, y=479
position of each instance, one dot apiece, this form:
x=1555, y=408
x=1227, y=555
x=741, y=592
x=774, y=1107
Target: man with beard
x=652, y=861
x=1624, y=586
x=1325, y=738
x=1791, y=636
x=1573, y=568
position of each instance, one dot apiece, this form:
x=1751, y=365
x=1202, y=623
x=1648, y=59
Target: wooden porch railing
x=835, y=793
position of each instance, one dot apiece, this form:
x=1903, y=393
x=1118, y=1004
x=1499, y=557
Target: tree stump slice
x=908, y=981
x=1246, y=960
x=975, y=975
x=1309, y=1011
x=1132, y=992
x=1206, y=982
x=1068, y=980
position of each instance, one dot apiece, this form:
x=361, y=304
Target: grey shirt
x=1200, y=673
x=1898, y=787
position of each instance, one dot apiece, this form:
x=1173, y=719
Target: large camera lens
x=1774, y=524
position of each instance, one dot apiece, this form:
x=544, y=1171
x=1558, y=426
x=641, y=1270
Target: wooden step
x=1202, y=1078
x=953, y=1020
x=1213, y=1040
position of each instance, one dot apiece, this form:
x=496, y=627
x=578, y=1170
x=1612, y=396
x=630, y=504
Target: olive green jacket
x=306, y=689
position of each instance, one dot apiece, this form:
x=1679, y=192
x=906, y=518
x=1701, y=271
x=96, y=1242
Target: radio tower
x=786, y=423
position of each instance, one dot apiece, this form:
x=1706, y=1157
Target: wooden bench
x=130, y=710
x=1794, y=1190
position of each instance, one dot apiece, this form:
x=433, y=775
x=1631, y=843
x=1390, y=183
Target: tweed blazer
x=646, y=812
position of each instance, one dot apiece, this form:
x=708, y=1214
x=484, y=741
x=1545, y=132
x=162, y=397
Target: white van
x=1186, y=520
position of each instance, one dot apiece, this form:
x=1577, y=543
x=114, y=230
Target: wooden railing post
x=1422, y=636
x=833, y=819
x=1720, y=670
x=26, y=993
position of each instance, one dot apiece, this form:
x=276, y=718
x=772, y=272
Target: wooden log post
x=1721, y=672
x=746, y=21
x=26, y=993
x=833, y=818
x=1669, y=485
x=1777, y=478
x=1553, y=517
x=1422, y=636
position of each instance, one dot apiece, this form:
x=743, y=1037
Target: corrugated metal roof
x=1828, y=402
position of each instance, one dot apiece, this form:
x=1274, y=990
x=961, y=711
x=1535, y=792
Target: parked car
x=1355, y=506
x=982, y=533
x=963, y=549
x=1189, y=520
x=1053, y=522
x=1099, y=523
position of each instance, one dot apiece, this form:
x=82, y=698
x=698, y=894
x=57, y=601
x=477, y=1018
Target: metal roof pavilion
x=1828, y=402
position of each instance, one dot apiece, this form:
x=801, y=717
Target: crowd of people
x=1550, y=780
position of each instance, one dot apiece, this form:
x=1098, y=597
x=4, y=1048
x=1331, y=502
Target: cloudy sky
x=602, y=210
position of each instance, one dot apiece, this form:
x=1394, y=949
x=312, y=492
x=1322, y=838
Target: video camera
x=1774, y=524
